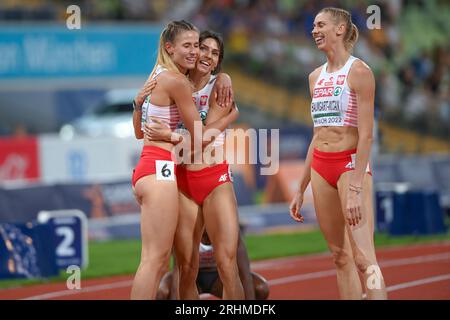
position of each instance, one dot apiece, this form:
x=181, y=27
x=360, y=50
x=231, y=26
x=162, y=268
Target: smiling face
x=184, y=50
x=209, y=56
x=326, y=33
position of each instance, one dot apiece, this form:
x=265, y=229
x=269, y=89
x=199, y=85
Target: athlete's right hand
x=294, y=208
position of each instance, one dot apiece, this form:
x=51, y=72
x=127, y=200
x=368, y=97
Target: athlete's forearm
x=222, y=123
x=137, y=115
x=306, y=175
x=361, y=161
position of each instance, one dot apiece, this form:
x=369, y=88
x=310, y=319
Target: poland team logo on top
x=203, y=100
x=340, y=80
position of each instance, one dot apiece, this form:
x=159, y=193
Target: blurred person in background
x=208, y=280
x=206, y=191
x=154, y=178
x=337, y=162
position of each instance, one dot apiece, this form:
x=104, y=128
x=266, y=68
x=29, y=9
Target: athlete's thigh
x=361, y=235
x=327, y=205
x=159, y=212
x=189, y=229
x=221, y=217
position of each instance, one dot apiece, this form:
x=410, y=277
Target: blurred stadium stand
x=269, y=54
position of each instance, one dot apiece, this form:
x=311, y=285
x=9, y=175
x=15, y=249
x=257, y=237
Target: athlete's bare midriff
x=335, y=139
x=163, y=145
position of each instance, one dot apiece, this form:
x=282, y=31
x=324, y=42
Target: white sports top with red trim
x=201, y=100
x=206, y=257
x=168, y=115
x=333, y=103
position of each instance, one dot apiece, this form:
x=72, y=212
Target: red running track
x=410, y=272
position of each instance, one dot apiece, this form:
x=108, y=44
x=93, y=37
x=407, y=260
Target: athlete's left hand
x=224, y=90
x=145, y=91
x=354, y=205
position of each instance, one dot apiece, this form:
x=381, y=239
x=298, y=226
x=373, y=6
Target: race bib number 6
x=165, y=170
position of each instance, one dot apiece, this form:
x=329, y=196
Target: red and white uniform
x=206, y=257
x=155, y=160
x=197, y=185
x=201, y=100
x=334, y=105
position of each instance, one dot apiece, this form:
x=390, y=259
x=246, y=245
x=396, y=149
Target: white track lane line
x=272, y=282
x=420, y=282
x=278, y=263
x=383, y=264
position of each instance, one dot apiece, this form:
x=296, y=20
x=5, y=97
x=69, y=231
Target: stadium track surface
x=410, y=272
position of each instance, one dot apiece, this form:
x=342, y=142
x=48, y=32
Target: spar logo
x=203, y=100
x=323, y=92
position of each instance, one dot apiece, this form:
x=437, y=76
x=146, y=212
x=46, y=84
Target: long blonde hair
x=169, y=34
x=351, y=30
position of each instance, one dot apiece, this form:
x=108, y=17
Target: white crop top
x=333, y=103
x=168, y=115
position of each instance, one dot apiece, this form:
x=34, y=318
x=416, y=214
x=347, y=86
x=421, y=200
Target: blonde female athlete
x=337, y=162
x=206, y=190
x=154, y=178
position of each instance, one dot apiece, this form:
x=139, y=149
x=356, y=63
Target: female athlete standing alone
x=337, y=162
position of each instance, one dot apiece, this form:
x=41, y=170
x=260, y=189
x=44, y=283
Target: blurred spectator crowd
x=410, y=54
x=271, y=39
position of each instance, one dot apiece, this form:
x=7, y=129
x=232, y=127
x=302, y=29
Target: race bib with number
x=165, y=170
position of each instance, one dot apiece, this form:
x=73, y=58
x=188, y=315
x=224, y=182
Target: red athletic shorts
x=330, y=165
x=155, y=160
x=197, y=185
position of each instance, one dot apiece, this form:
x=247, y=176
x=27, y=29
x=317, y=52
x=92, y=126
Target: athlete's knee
x=188, y=272
x=226, y=263
x=363, y=263
x=341, y=257
x=156, y=259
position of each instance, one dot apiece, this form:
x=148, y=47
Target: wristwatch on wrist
x=135, y=107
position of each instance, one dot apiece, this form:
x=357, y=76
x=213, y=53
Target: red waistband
x=157, y=150
x=207, y=170
x=333, y=155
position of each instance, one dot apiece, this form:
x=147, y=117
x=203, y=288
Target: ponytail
x=352, y=37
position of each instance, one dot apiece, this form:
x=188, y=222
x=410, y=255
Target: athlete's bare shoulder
x=173, y=80
x=360, y=74
x=315, y=74
x=313, y=78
